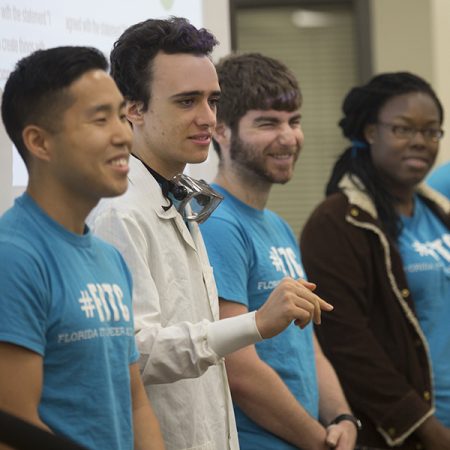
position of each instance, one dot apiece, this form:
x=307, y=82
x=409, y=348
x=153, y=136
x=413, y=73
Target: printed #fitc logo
x=104, y=301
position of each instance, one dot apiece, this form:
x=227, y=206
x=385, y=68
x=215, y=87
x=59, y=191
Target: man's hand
x=342, y=436
x=291, y=300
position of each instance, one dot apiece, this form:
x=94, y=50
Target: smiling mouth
x=283, y=156
x=119, y=162
x=419, y=162
x=201, y=137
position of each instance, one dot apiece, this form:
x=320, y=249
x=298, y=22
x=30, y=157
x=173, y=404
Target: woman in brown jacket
x=360, y=247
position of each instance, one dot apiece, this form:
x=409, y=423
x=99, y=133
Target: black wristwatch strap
x=348, y=417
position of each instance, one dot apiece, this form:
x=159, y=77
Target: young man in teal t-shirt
x=276, y=384
x=67, y=351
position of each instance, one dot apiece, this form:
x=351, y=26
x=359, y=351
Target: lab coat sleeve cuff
x=228, y=335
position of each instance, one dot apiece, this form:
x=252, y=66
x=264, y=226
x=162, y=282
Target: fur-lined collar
x=354, y=189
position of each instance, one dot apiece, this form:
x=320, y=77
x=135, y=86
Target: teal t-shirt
x=251, y=251
x=424, y=245
x=68, y=298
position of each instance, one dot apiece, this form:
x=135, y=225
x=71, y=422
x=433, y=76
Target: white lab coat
x=175, y=298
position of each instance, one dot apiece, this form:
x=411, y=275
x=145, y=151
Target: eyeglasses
x=408, y=132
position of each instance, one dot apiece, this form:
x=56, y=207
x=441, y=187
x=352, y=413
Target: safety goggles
x=197, y=199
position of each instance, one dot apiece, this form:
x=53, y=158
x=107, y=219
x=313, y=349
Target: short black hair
x=36, y=90
x=254, y=81
x=133, y=53
x=361, y=107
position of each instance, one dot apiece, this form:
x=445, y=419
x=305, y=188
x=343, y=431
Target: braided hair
x=361, y=107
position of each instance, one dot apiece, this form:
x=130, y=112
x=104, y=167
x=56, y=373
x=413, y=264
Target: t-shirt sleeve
x=23, y=303
x=439, y=179
x=230, y=257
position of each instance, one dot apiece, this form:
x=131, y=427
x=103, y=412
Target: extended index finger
x=319, y=303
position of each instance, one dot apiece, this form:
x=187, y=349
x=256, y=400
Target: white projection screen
x=28, y=25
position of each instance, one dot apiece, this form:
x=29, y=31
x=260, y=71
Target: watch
x=348, y=417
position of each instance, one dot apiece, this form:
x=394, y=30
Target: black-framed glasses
x=408, y=132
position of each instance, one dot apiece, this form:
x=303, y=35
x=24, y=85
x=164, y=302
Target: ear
x=369, y=133
x=135, y=112
x=36, y=140
x=222, y=134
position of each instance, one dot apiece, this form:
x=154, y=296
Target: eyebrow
x=105, y=107
x=409, y=119
x=274, y=119
x=194, y=94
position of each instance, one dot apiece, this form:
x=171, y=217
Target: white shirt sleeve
x=181, y=350
x=228, y=335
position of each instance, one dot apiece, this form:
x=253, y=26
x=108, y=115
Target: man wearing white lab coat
x=163, y=69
